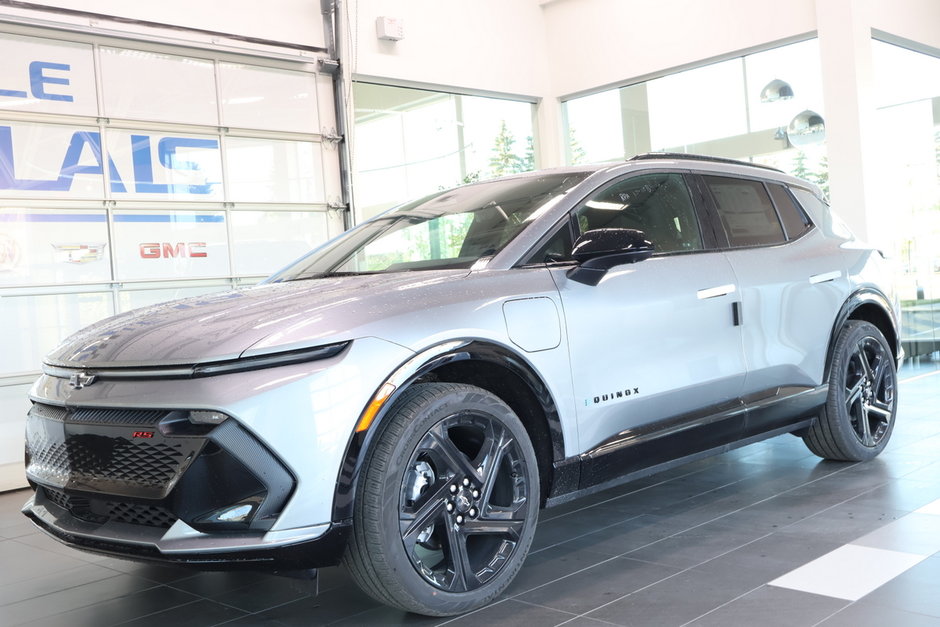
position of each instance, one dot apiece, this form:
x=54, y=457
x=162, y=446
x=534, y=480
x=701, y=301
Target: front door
x=654, y=342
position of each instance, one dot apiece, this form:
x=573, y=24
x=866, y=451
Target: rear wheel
x=859, y=414
x=447, y=503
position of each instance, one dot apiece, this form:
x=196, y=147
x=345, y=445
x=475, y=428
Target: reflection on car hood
x=257, y=320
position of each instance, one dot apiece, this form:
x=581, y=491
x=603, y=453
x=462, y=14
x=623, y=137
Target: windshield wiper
x=330, y=275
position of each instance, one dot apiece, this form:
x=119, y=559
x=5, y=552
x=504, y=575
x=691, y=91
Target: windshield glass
x=450, y=229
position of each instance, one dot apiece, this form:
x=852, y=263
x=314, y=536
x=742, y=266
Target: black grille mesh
x=120, y=460
x=100, y=510
x=138, y=514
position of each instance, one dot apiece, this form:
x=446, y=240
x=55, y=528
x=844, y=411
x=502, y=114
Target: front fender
x=440, y=358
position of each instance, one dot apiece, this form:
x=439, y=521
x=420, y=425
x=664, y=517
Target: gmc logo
x=155, y=250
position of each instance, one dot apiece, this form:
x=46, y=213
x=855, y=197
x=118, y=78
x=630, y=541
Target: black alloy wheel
x=447, y=504
x=462, y=503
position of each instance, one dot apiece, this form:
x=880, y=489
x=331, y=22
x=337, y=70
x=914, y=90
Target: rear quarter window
x=795, y=221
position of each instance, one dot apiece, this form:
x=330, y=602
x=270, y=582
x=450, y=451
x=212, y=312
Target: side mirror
x=600, y=250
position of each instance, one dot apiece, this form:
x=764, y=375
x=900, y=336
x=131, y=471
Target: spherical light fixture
x=806, y=128
x=776, y=90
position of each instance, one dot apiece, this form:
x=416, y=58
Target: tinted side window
x=746, y=211
x=657, y=204
x=795, y=222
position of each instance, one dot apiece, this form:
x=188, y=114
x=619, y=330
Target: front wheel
x=859, y=414
x=447, y=502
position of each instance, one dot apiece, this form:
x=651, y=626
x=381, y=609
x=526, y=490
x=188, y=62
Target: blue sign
x=38, y=81
x=141, y=179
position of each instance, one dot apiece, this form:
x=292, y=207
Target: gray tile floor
x=694, y=546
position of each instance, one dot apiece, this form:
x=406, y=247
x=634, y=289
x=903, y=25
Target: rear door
x=791, y=281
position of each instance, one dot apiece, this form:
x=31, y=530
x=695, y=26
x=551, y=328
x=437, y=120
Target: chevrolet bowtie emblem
x=81, y=379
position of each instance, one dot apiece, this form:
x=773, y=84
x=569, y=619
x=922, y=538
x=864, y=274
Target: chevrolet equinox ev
x=404, y=399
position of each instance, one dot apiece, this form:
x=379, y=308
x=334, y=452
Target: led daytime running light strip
x=208, y=369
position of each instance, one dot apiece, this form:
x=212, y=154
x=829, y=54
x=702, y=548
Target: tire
x=858, y=418
x=447, y=502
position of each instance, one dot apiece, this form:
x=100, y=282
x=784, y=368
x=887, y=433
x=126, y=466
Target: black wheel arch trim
x=424, y=363
x=865, y=297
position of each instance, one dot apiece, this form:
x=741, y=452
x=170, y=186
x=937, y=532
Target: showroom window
x=412, y=142
x=907, y=134
x=765, y=107
x=134, y=174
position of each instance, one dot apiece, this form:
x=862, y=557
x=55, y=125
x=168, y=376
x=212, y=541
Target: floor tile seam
x=714, y=557
x=28, y=579
x=71, y=587
x=668, y=577
x=881, y=605
x=476, y=611
x=726, y=603
x=571, y=574
x=569, y=539
x=597, y=620
x=33, y=549
x=758, y=502
x=638, y=491
x=838, y=611
x=693, y=527
x=130, y=620
x=229, y=605
x=272, y=607
x=120, y=596
x=60, y=590
x=571, y=615
x=796, y=487
x=839, y=504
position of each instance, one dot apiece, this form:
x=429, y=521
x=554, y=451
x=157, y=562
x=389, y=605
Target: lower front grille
x=99, y=510
x=115, y=451
x=152, y=468
x=139, y=514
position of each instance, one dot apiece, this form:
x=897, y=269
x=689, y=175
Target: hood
x=257, y=320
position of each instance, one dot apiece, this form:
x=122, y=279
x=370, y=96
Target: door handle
x=715, y=292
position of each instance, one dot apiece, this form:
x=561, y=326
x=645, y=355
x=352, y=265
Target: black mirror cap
x=600, y=250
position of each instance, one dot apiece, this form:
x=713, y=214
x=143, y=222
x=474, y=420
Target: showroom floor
x=767, y=534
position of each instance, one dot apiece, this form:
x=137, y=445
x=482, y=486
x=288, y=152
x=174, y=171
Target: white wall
x=914, y=20
x=285, y=21
x=483, y=45
x=599, y=42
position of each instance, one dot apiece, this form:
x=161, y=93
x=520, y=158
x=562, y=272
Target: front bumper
x=118, y=469
x=310, y=547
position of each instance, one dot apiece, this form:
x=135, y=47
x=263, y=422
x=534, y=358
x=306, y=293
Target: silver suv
x=407, y=397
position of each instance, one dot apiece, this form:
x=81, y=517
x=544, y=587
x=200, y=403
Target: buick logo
x=81, y=379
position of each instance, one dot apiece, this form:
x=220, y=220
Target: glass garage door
x=133, y=174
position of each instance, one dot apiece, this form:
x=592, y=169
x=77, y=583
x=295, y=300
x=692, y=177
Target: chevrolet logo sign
x=81, y=379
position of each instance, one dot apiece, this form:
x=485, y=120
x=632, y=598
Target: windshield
x=450, y=229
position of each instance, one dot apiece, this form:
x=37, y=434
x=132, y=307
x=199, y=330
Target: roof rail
x=694, y=157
